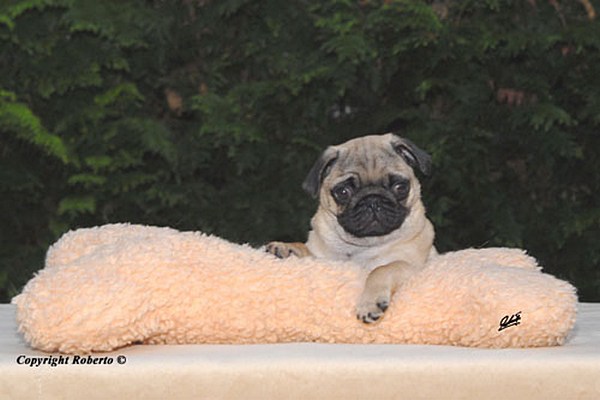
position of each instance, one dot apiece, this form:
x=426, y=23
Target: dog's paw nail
x=383, y=305
x=274, y=250
x=369, y=317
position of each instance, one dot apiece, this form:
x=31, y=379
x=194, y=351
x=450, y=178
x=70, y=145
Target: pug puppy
x=370, y=213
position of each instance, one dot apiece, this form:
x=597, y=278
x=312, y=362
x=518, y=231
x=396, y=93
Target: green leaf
x=125, y=92
x=98, y=163
x=75, y=205
x=18, y=119
x=545, y=116
x=87, y=180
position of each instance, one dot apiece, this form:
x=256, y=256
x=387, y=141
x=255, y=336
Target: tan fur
x=392, y=258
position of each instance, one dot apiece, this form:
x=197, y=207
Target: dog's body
x=370, y=212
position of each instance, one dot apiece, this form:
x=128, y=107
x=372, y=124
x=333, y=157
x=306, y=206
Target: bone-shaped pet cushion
x=107, y=287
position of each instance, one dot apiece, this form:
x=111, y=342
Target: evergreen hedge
x=206, y=115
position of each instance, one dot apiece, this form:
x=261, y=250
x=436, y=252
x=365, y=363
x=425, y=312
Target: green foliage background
x=206, y=115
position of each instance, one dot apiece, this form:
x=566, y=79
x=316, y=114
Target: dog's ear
x=318, y=172
x=413, y=155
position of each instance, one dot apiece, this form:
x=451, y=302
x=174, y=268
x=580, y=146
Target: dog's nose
x=373, y=203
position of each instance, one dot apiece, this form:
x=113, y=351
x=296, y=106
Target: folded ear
x=318, y=172
x=413, y=155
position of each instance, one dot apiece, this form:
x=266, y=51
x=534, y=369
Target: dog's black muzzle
x=374, y=213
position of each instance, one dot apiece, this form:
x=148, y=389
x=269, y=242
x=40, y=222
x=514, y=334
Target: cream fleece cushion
x=107, y=287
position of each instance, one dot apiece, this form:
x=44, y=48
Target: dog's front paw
x=372, y=305
x=285, y=250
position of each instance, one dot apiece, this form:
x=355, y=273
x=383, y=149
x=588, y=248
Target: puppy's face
x=368, y=183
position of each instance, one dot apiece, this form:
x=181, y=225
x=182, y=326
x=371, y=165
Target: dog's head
x=369, y=183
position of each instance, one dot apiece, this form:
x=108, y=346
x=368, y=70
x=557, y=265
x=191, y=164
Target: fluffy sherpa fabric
x=114, y=285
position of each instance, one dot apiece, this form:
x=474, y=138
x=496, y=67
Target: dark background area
x=206, y=115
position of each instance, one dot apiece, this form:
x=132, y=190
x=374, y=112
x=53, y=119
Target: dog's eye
x=401, y=188
x=342, y=193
